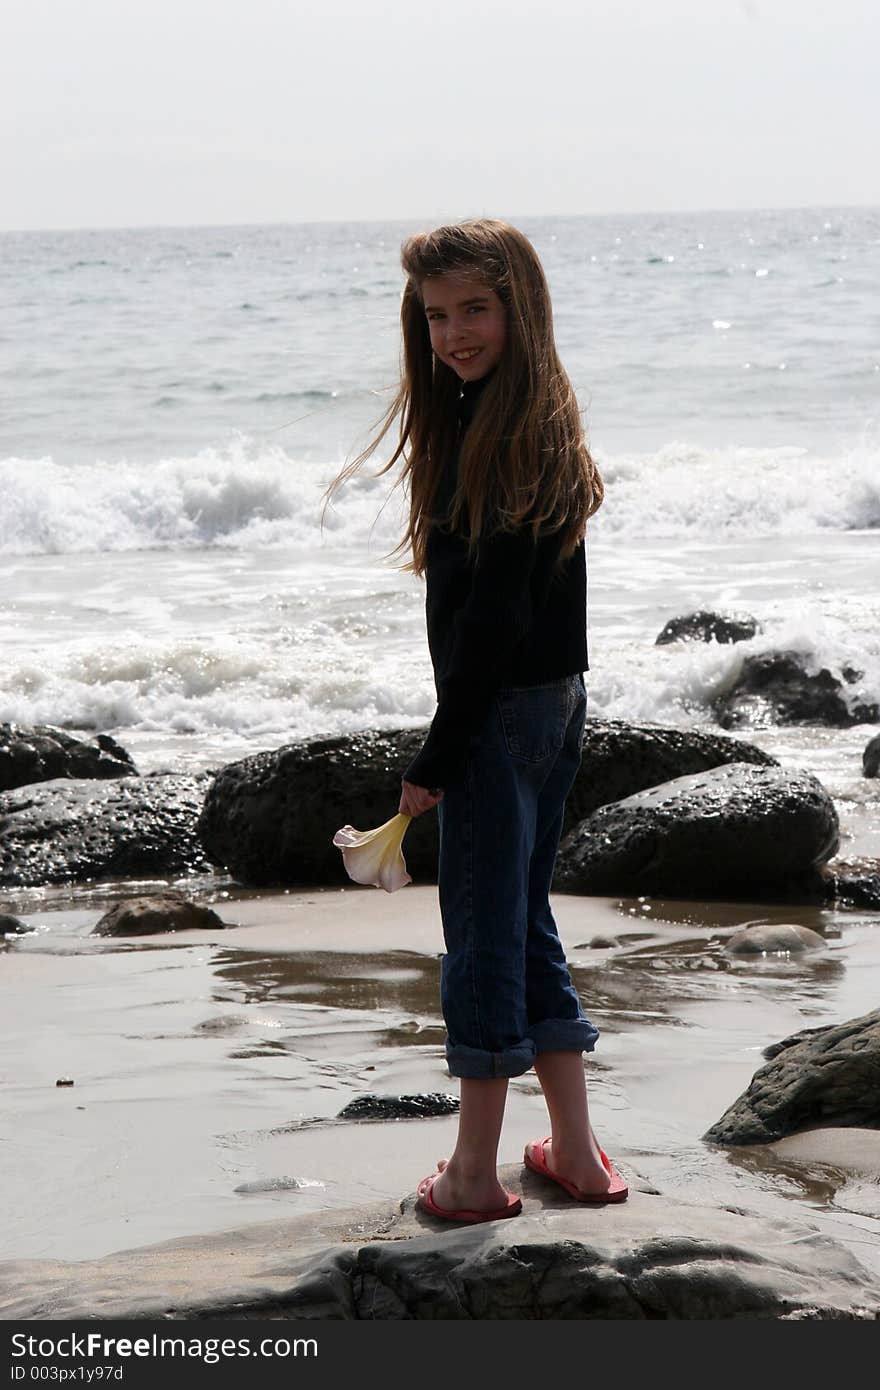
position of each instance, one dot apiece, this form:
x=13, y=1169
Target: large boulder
x=271, y=818
x=735, y=832
x=706, y=626
x=820, y=1077
x=41, y=753
x=776, y=688
x=650, y=1258
x=66, y=831
x=620, y=759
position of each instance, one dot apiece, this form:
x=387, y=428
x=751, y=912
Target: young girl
x=501, y=484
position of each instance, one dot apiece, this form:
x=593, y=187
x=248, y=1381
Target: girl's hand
x=414, y=800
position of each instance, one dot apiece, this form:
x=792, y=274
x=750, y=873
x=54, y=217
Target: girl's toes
x=441, y=1164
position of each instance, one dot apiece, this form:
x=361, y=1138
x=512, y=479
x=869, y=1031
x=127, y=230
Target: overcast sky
x=116, y=113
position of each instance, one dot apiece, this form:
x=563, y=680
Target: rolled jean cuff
x=564, y=1035
x=475, y=1064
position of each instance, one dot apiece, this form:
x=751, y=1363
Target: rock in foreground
x=374, y=1107
x=821, y=1077
x=648, y=1258
x=769, y=938
x=160, y=912
x=270, y=819
x=733, y=832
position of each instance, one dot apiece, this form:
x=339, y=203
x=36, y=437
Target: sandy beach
x=209, y=1067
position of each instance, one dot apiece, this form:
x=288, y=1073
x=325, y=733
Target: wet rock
x=10, y=926
x=706, y=626
x=871, y=758
x=223, y=1023
x=763, y=939
x=860, y=890
x=733, y=832
x=274, y=1185
x=621, y=759
x=776, y=688
x=374, y=1107
x=41, y=752
x=159, y=912
x=650, y=1258
x=271, y=818
x=599, y=943
x=135, y=827
x=821, y=1077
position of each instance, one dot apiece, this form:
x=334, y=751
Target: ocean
x=176, y=401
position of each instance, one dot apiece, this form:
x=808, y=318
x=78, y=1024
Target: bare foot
x=452, y=1191
x=585, y=1169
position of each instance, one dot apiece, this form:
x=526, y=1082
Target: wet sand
x=203, y=1062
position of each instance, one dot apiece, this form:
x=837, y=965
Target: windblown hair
x=524, y=458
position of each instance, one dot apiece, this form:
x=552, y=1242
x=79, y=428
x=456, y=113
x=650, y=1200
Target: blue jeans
x=505, y=990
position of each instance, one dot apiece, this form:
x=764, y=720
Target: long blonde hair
x=524, y=456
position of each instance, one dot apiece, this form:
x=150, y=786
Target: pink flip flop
x=469, y=1218
x=617, y=1191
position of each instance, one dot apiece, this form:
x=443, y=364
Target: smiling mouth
x=466, y=354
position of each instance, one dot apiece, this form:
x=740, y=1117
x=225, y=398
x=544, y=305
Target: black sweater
x=500, y=619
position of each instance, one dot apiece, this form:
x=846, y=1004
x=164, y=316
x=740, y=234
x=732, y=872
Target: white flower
x=375, y=856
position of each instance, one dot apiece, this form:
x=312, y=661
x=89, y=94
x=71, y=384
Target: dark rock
x=871, y=758
x=42, y=752
x=651, y=1258
x=774, y=688
x=733, y=832
x=857, y=887
x=771, y=937
x=270, y=819
x=620, y=759
x=10, y=926
x=159, y=912
x=774, y=1049
x=704, y=626
x=373, y=1107
x=819, y=1078
x=67, y=831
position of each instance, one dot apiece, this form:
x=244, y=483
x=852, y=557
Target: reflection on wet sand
x=395, y=979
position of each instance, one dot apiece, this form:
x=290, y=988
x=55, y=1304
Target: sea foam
x=249, y=496
x=241, y=496
x=684, y=490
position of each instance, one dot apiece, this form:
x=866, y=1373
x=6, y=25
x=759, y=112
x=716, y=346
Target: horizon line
x=385, y=221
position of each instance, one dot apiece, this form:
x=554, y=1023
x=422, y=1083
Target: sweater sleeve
x=486, y=629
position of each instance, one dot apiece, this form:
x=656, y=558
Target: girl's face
x=467, y=323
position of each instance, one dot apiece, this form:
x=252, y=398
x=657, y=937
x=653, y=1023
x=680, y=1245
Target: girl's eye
x=476, y=308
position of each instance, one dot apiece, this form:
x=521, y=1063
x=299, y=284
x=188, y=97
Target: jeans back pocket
x=535, y=718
